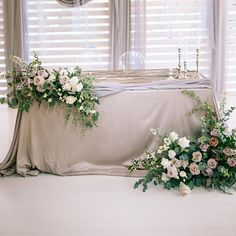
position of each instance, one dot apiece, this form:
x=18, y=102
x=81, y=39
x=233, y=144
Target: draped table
x=131, y=103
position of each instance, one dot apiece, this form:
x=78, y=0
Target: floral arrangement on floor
x=30, y=82
x=208, y=161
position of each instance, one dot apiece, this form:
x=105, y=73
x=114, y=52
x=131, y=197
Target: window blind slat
x=168, y=23
x=64, y=36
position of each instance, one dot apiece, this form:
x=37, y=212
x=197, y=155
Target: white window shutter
x=167, y=21
x=66, y=36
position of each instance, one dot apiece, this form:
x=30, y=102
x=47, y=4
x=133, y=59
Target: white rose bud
x=70, y=99
x=182, y=174
x=171, y=154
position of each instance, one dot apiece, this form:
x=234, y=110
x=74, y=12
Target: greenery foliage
x=208, y=161
x=31, y=82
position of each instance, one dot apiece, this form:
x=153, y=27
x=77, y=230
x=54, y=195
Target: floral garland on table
x=209, y=161
x=29, y=83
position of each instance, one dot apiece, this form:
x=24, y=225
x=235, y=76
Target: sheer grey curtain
x=217, y=23
x=14, y=30
x=119, y=30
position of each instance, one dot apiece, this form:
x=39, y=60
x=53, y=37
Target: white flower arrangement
x=208, y=161
x=31, y=83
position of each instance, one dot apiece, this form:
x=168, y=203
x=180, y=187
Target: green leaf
x=14, y=102
x=2, y=100
x=202, y=166
x=184, y=157
x=198, y=181
x=191, y=185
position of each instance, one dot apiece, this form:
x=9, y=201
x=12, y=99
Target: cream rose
x=196, y=156
x=231, y=162
x=77, y=87
x=184, y=164
x=194, y=169
x=212, y=163
x=70, y=99
x=183, y=142
x=64, y=79
x=207, y=172
x=66, y=87
x=182, y=174
x=39, y=80
x=184, y=189
x=176, y=162
x=74, y=80
x=172, y=172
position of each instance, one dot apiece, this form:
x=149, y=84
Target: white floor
x=49, y=205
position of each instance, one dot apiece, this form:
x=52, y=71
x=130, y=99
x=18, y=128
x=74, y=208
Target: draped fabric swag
x=126, y=32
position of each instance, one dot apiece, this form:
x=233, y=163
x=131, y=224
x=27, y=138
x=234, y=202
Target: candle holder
x=185, y=70
x=179, y=74
x=197, y=74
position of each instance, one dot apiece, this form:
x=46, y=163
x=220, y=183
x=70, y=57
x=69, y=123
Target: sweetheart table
x=131, y=103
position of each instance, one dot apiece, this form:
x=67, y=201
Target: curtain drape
x=217, y=22
x=13, y=30
x=119, y=30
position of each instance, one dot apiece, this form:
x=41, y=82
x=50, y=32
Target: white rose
x=77, y=88
x=171, y=154
x=66, y=87
x=74, y=80
x=49, y=100
x=70, y=99
x=81, y=108
x=165, y=163
x=183, y=174
x=52, y=78
x=164, y=177
x=93, y=111
x=174, y=136
x=184, y=189
x=183, y=142
x=45, y=95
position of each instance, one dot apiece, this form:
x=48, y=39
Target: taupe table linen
x=43, y=142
